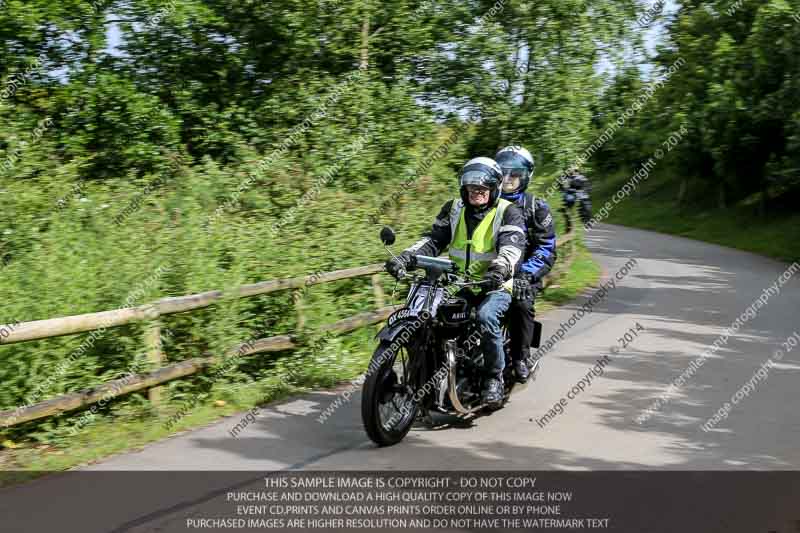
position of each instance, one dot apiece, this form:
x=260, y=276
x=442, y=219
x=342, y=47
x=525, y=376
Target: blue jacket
x=540, y=255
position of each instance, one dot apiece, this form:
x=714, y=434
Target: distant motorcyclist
x=575, y=187
x=486, y=240
x=518, y=166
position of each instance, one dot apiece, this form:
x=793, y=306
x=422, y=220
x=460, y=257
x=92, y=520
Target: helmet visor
x=513, y=178
x=514, y=172
x=477, y=177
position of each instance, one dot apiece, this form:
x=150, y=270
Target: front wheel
x=388, y=405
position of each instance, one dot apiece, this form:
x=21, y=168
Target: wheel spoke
x=403, y=361
x=396, y=405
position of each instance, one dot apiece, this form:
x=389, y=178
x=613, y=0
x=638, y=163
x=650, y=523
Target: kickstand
x=534, y=370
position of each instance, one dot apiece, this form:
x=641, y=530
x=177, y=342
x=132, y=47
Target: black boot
x=492, y=393
x=521, y=371
x=567, y=221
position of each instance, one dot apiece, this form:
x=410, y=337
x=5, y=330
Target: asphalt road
x=681, y=293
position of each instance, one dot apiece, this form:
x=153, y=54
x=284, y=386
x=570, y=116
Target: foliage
x=738, y=94
x=183, y=133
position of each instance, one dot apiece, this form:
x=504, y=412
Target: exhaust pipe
x=451, y=382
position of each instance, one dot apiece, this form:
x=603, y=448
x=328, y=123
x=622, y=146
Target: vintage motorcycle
x=429, y=356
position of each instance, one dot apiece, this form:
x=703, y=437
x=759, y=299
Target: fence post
x=378, y=291
x=298, y=307
x=155, y=351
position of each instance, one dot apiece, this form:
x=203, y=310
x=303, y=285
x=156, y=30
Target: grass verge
x=583, y=272
x=653, y=207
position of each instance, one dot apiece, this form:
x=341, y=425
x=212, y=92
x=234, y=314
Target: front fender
x=389, y=334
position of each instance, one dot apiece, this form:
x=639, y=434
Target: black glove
x=494, y=279
x=523, y=287
x=401, y=264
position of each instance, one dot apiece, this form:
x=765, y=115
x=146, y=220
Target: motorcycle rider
x=518, y=166
x=575, y=186
x=486, y=240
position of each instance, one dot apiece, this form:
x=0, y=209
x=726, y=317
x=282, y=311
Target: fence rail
x=56, y=327
x=69, y=325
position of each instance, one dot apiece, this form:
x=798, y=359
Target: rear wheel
x=388, y=406
x=509, y=379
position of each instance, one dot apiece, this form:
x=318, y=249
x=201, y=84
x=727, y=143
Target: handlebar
x=438, y=263
x=469, y=283
x=445, y=265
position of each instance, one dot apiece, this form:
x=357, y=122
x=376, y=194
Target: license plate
x=402, y=314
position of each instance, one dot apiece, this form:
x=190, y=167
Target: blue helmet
x=483, y=171
x=516, y=162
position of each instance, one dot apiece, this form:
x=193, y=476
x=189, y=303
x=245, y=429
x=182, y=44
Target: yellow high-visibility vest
x=474, y=255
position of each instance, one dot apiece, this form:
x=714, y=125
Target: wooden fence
x=151, y=313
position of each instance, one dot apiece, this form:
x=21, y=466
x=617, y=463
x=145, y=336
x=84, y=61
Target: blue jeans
x=489, y=312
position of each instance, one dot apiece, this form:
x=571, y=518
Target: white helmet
x=483, y=171
x=516, y=162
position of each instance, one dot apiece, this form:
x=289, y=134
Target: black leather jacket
x=511, y=242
